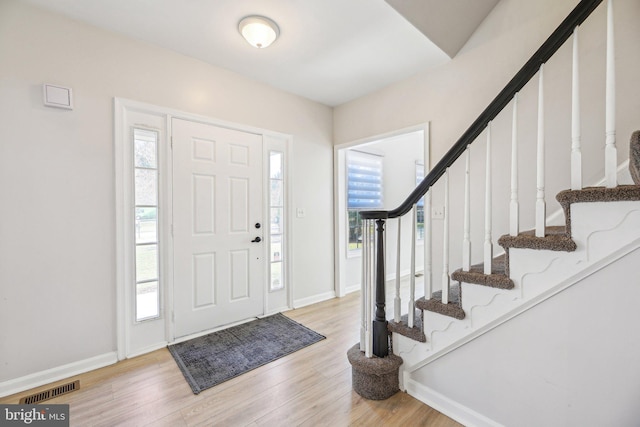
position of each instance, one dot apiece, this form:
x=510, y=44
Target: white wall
x=400, y=154
x=451, y=96
x=570, y=361
x=57, y=215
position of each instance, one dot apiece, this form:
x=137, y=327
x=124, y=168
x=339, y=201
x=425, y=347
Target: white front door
x=218, y=226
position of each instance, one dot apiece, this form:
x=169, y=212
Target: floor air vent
x=51, y=393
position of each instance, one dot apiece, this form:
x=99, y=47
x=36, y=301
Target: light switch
x=300, y=213
x=437, y=212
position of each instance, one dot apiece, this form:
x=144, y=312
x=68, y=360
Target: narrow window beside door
x=276, y=220
x=147, y=299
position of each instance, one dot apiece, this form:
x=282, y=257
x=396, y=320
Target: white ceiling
x=330, y=51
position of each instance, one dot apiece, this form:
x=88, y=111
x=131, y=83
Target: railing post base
x=372, y=377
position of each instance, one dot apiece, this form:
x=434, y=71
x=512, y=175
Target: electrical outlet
x=300, y=213
x=437, y=212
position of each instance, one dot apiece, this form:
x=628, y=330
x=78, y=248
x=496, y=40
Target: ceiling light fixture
x=259, y=31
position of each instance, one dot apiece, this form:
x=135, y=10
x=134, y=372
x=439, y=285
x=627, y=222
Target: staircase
x=597, y=226
x=602, y=225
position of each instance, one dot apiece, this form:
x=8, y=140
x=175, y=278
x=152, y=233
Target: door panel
x=217, y=200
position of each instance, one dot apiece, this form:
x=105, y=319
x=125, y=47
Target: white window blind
x=364, y=180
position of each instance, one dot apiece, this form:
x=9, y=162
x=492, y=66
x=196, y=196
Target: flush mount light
x=259, y=31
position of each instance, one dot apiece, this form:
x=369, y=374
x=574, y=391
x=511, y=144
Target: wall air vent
x=50, y=393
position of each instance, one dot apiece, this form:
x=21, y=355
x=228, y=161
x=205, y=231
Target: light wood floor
x=309, y=388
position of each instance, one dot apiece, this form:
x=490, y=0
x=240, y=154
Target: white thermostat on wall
x=57, y=96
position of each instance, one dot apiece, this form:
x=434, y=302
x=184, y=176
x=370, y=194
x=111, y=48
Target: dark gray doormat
x=217, y=357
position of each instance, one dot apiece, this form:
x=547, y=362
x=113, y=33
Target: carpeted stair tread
x=497, y=279
x=452, y=309
x=599, y=194
x=402, y=327
x=634, y=157
x=620, y=193
x=555, y=239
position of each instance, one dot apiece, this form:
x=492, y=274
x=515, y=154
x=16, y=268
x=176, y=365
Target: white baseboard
x=351, y=289
x=313, y=299
x=447, y=406
x=48, y=376
x=148, y=349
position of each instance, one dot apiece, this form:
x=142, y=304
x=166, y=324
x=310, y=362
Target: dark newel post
x=380, y=331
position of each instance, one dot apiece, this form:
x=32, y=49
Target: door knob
x=256, y=240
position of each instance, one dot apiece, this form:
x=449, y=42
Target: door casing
x=160, y=332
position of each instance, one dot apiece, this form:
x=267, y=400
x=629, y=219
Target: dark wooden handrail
x=526, y=73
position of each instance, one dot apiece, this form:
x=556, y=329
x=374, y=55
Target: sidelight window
x=276, y=220
x=147, y=272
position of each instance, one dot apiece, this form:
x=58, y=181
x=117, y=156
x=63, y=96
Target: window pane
x=145, y=149
x=420, y=223
x=277, y=281
x=146, y=263
x=420, y=213
x=146, y=187
x=275, y=165
x=276, y=248
x=146, y=225
x=276, y=221
x=355, y=229
x=147, y=301
x=276, y=192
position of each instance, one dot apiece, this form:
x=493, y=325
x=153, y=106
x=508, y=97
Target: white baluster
x=488, y=245
x=445, y=243
x=396, y=301
x=412, y=279
x=610, y=152
x=364, y=286
x=428, y=275
x=370, y=256
x=466, y=239
x=514, y=208
x=576, y=151
x=541, y=207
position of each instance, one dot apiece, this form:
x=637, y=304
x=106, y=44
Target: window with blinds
x=364, y=191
